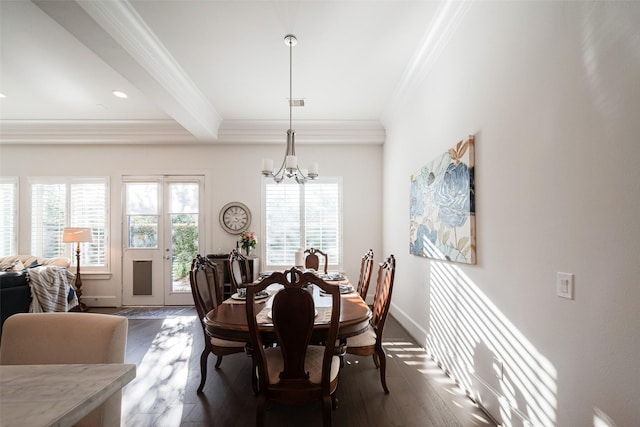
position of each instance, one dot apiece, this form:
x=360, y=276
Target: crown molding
x=93, y=132
x=162, y=132
x=442, y=27
x=307, y=132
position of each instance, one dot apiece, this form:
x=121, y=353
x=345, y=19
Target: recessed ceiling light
x=2, y=95
x=120, y=94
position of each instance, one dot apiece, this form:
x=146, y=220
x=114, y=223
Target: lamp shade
x=77, y=234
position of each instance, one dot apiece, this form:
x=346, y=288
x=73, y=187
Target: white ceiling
x=203, y=71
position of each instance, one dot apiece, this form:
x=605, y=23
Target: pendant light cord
x=289, y=167
x=290, y=80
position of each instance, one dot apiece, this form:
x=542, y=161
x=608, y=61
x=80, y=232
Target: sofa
x=15, y=281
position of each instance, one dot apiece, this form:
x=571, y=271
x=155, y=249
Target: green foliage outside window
x=184, y=241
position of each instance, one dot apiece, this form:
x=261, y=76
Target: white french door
x=162, y=225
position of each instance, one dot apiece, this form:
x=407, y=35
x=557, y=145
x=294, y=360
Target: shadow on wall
x=489, y=358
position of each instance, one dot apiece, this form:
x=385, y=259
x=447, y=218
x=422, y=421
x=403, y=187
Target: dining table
x=57, y=395
x=229, y=320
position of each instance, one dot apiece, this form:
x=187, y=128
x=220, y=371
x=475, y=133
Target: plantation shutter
x=302, y=216
x=88, y=208
x=8, y=213
x=282, y=214
x=322, y=219
x=48, y=219
x=72, y=202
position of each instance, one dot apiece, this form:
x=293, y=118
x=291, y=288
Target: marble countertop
x=57, y=395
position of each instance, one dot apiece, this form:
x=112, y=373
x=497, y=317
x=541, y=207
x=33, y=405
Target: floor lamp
x=77, y=235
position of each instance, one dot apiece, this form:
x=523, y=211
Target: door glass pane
x=184, y=242
x=143, y=231
x=142, y=198
x=183, y=214
x=184, y=198
x=142, y=214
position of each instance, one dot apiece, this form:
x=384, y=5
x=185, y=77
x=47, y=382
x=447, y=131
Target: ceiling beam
x=128, y=45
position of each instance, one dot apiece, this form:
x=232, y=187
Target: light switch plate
x=564, y=285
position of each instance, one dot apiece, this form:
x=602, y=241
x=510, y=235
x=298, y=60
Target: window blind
x=48, y=219
x=322, y=219
x=8, y=212
x=302, y=216
x=282, y=215
x=69, y=202
x=88, y=208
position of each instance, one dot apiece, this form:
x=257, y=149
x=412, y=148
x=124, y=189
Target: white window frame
x=67, y=249
x=10, y=218
x=335, y=263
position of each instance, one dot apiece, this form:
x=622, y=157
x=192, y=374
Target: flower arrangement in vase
x=248, y=241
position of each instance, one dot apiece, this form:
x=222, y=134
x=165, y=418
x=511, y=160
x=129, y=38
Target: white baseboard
x=416, y=331
x=486, y=397
x=100, y=301
x=493, y=402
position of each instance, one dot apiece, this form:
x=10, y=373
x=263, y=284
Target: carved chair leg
x=254, y=377
x=218, y=362
x=326, y=411
x=260, y=411
x=203, y=369
x=383, y=367
x=254, y=368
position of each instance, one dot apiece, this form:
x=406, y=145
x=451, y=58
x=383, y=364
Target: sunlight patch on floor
x=162, y=374
x=413, y=355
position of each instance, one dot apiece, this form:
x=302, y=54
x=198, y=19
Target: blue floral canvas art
x=442, y=207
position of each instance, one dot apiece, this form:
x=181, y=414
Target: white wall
x=232, y=173
x=551, y=90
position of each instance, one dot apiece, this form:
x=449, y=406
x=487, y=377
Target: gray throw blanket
x=50, y=287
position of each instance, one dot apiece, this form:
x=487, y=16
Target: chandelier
x=289, y=166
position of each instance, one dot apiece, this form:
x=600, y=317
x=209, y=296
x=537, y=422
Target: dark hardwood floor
x=167, y=350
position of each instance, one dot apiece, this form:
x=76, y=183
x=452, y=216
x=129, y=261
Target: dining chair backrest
x=207, y=295
x=293, y=317
x=290, y=380
x=312, y=259
x=366, y=269
x=369, y=343
x=239, y=271
x=60, y=338
x=205, y=287
x=382, y=298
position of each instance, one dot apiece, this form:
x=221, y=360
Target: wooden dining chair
x=207, y=295
x=59, y=338
x=239, y=271
x=294, y=371
x=370, y=342
x=312, y=259
x=366, y=268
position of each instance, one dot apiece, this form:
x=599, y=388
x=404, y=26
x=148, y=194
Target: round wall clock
x=235, y=217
